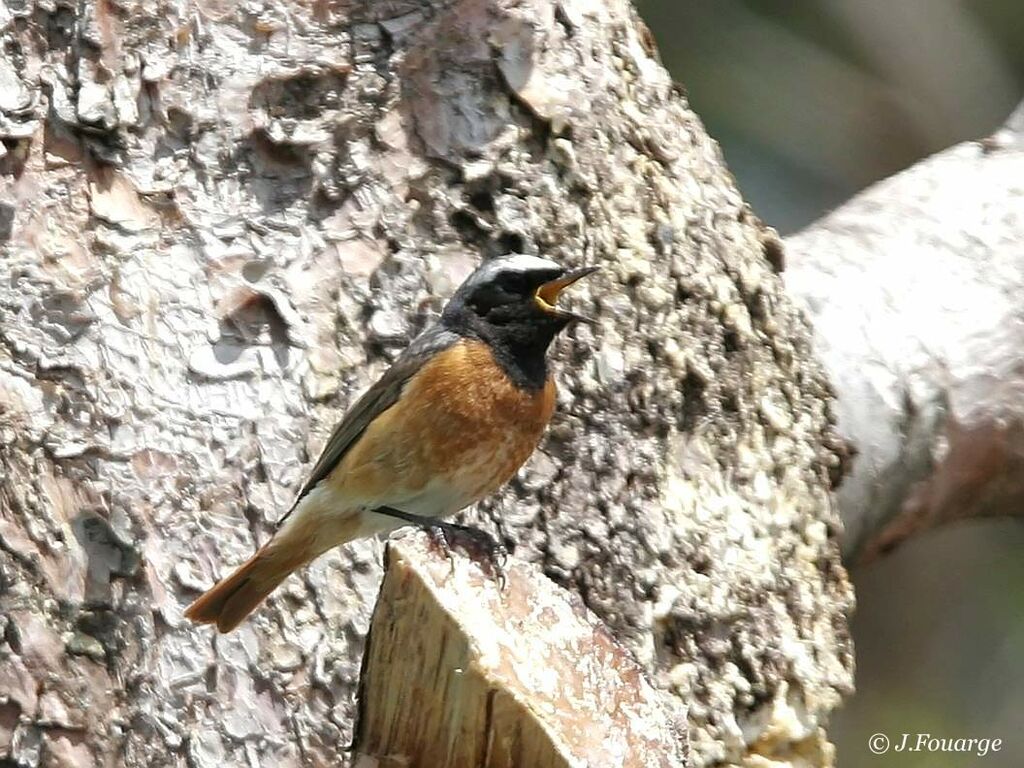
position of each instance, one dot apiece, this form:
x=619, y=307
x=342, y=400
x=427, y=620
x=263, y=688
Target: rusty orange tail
x=233, y=598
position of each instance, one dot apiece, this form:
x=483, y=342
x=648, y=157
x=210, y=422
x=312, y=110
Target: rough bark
x=222, y=221
x=914, y=289
x=476, y=672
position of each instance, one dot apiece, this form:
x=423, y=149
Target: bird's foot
x=482, y=548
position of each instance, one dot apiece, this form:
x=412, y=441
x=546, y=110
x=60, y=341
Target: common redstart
x=459, y=411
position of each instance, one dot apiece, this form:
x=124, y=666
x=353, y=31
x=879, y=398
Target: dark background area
x=811, y=103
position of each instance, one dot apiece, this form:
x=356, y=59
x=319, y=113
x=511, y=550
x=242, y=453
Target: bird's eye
x=489, y=297
x=514, y=283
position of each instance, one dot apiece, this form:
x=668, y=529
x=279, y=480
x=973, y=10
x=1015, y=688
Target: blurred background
x=811, y=103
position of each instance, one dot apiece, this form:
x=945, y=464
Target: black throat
x=519, y=347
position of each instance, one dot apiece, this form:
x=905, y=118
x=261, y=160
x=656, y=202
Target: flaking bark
x=221, y=221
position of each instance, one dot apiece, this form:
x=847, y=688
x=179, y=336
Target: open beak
x=548, y=293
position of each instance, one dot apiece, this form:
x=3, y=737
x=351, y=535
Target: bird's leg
x=481, y=547
x=439, y=541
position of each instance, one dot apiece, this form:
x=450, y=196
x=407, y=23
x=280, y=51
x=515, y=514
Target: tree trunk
x=222, y=222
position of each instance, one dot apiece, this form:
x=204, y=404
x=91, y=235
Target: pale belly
x=333, y=513
x=454, y=483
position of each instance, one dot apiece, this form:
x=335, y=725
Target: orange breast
x=460, y=419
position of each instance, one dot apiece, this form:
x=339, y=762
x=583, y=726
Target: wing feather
x=374, y=402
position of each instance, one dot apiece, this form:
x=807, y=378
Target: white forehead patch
x=513, y=262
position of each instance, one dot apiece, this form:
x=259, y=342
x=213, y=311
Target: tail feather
x=233, y=598
x=314, y=527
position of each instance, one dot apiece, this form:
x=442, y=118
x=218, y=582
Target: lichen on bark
x=223, y=221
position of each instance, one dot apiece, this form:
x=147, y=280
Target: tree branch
x=914, y=290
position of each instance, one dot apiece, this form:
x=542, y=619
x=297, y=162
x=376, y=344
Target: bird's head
x=512, y=301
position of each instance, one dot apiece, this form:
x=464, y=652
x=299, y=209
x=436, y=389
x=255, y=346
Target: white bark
x=915, y=292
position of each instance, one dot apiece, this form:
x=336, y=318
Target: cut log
x=460, y=673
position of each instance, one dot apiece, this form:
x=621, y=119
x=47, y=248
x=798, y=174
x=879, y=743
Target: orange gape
x=459, y=411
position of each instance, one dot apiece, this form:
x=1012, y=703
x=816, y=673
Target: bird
x=452, y=420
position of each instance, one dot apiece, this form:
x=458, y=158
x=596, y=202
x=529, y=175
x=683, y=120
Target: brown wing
x=375, y=401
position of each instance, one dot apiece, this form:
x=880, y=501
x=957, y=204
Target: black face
x=511, y=297
x=510, y=304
